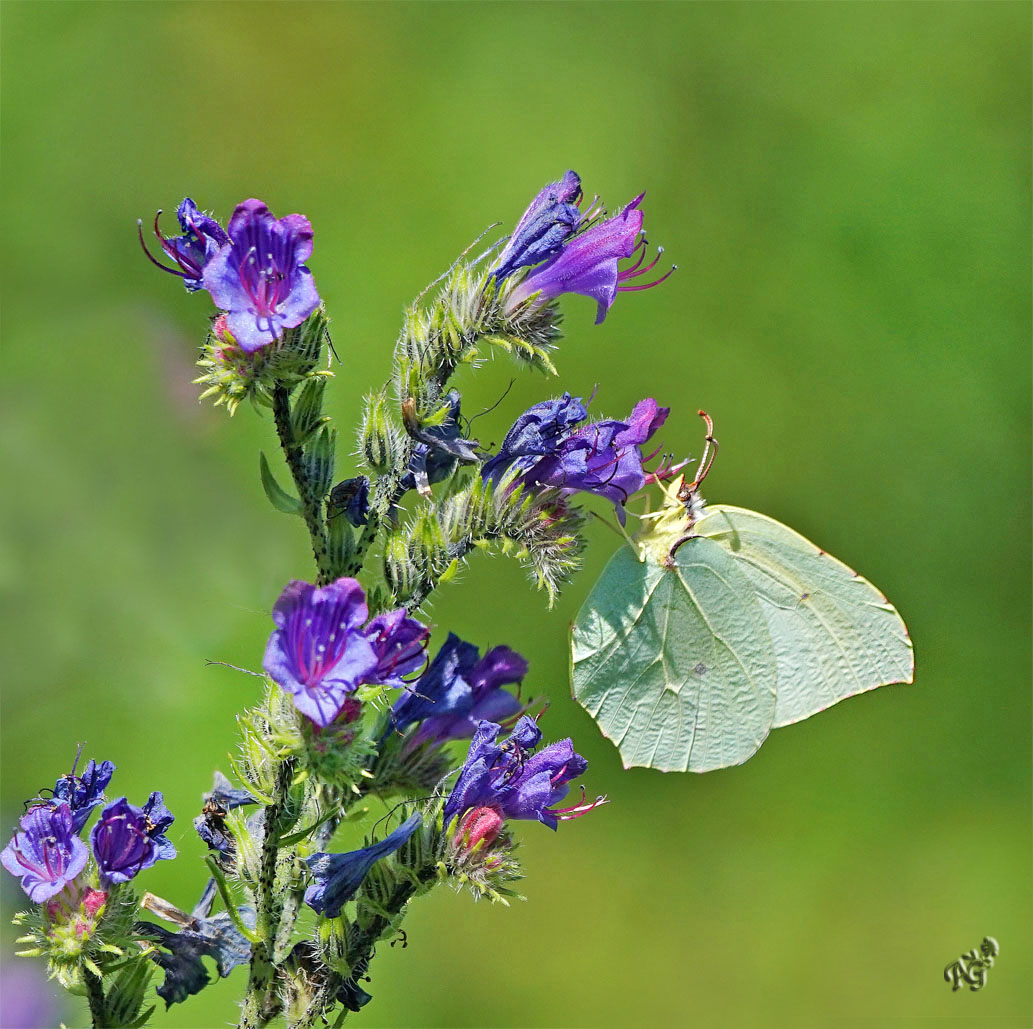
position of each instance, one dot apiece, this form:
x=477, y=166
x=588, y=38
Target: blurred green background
x=846, y=189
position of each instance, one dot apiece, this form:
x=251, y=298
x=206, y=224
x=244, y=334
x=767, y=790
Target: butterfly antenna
x=710, y=449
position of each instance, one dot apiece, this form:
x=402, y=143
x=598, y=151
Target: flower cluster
x=571, y=252
x=254, y=269
x=322, y=649
x=47, y=854
x=507, y=779
x=548, y=447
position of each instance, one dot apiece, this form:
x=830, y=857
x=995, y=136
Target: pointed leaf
x=278, y=497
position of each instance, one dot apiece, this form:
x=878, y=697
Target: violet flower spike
x=45, y=852
x=261, y=281
x=202, y=237
x=550, y=220
x=588, y=264
x=336, y=878
x=319, y=652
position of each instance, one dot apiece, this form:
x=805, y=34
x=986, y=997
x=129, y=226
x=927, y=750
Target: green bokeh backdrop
x=846, y=189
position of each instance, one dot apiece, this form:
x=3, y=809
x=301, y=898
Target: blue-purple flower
x=589, y=263
x=399, y=643
x=128, y=839
x=337, y=877
x=458, y=690
x=510, y=780
x=261, y=281
x=45, y=852
x=202, y=237
x=548, y=222
x=319, y=652
x=83, y=793
x=211, y=822
x=603, y=457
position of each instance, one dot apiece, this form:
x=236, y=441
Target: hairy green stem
x=311, y=505
x=95, y=996
x=227, y=898
x=259, y=1003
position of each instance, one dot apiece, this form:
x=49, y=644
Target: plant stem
x=259, y=1007
x=95, y=995
x=311, y=505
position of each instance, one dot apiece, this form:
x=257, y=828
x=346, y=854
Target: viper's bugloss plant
x=357, y=707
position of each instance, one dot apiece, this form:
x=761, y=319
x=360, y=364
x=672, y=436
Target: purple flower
x=458, y=690
x=589, y=264
x=337, y=877
x=83, y=793
x=45, y=853
x=261, y=280
x=128, y=839
x=546, y=225
x=512, y=781
x=399, y=643
x=319, y=652
x=202, y=237
x=602, y=457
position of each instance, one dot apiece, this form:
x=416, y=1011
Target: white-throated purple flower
x=603, y=457
x=202, y=237
x=512, y=781
x=458, y=690
x=589, y=264
x=337, y=877
x=549, y=221
x=400, y=643
x=261, y=281
x=45, y=852
x=128, y=839
x=83, y=793
x=319, y=652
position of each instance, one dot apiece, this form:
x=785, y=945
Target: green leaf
x=686, y=662
x=278, y=497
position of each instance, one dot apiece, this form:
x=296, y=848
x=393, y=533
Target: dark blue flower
x=202, y=237
x=211, y=822
x=588, y=264
x=128, y=839
x=602, y=457
x=83, y=793
x=536, y=433
x=548, y=222
x=318, y=652
x=337, y=877
x=350, y=498
x=399, y=643
x=215, y=937
x=512, y=781
x=458, y=690
x=438, y=447
x=45, y=852
x=261, y=281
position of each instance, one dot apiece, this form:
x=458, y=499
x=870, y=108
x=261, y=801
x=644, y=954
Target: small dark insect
x=402, y=938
